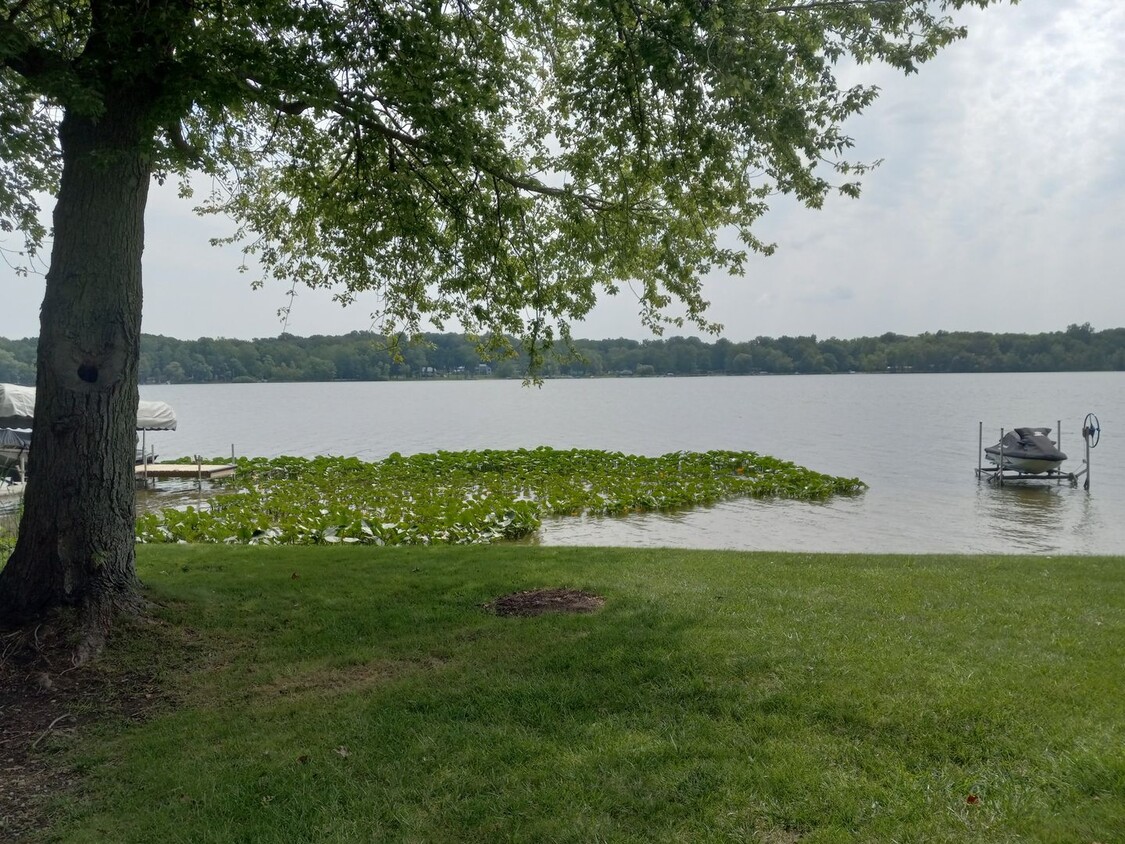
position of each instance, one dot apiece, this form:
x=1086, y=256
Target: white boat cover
x=17, y=410
x=155, y=416
x=17, y=406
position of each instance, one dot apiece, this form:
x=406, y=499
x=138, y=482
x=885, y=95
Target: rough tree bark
x=76, y=537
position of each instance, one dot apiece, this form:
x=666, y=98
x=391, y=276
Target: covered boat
x=17, y=406
x=1027, y=450
x=17, y=411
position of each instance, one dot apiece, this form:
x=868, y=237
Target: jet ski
x=1027, y=450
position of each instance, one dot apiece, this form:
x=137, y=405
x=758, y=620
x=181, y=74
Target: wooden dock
x=187, y=471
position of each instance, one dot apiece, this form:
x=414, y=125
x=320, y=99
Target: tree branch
x=360, y=114
x=17, y=9
x=179, y=143
x=261, y=96
x=31, y=61
x=830, y=4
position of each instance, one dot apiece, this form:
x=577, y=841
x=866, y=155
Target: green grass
x=9, y=530
x=353, y=694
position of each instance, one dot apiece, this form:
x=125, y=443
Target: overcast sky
x=1000, y=206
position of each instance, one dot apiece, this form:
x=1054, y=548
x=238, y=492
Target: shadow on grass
x=370, y=697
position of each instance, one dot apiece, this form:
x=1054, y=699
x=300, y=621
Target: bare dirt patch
x=331, y=681
x=46, y=703
x=541, y=601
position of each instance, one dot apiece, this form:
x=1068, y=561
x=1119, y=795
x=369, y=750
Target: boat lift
x=999, y=475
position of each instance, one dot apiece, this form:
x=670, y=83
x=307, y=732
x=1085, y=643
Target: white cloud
x=998, y=202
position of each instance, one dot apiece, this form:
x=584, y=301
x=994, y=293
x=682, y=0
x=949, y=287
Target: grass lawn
x=350, y=694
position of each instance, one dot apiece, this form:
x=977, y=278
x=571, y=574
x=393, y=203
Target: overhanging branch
x=181, y=145
x=829, y=4
x=49, y=71
x=361, y=114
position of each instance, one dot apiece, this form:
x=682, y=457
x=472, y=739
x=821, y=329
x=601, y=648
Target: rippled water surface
x=913, y=438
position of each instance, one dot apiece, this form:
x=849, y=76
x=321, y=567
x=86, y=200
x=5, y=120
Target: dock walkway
x=189, y=471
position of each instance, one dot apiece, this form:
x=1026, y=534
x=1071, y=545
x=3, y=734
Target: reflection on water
x=1090, y=521
x=173, y=494
x=1028, y=516
x=1027, y=519
x=168, y=494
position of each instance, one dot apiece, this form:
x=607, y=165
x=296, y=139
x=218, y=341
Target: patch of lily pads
x=469, y=496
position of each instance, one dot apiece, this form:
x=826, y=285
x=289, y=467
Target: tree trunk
x=75, y=545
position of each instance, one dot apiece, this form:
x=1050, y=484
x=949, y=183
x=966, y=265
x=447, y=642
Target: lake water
x=913, y=438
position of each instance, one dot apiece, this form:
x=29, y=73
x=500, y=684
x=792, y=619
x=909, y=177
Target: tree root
x=50, y=727
x=86, y=627
x=96, y=616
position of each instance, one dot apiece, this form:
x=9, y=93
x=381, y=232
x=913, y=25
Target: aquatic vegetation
x=469, y=496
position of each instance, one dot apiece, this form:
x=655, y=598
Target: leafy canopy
x=497, y=162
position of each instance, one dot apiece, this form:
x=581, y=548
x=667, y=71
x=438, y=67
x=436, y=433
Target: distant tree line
x=364, y=356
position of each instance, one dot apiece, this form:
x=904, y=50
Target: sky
x=999, y=206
